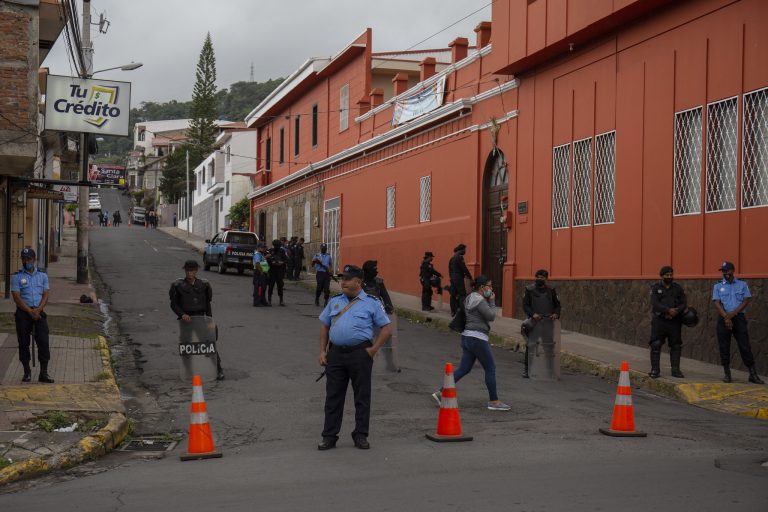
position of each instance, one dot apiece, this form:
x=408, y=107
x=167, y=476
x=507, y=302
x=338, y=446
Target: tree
x=239, y=213
x=202, y=130
x=173, y=182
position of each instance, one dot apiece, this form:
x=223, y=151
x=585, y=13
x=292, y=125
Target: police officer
x=428, y=275
x=29, y=289
x=322, y=262
x=668, y=303
x=457, y=272
x=731, y=297
x=374, y=286
x=540, y=301
x=277, y=259
x=260, y=279
x=192, y=297
x=347, y=349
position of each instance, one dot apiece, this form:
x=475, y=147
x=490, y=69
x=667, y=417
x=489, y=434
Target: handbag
x=459, y=321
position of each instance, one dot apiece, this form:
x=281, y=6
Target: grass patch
x=91, y=425
x=102, y=376
x=4, y=462
x=53, y=420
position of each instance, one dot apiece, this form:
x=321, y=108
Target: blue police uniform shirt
x=325, y=259
x=30, y=286
x=258, y=257
x=356, y=324
x=731, y=295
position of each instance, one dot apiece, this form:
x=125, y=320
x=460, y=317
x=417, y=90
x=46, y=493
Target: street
x=545, y=454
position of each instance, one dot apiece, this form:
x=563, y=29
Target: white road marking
x=147, y=242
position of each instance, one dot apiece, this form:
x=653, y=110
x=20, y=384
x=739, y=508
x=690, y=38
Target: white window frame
x=343, y=107
x=684, y=206
x=425, y=198
x=229, y=153
x=561, y=212
x=307, y=221
x=605, y=178
x=748, y=165
x=391, y=207
x=714, y=205
x=290, y=222
x=274, y=225
x=585, y=187
x=226, y=188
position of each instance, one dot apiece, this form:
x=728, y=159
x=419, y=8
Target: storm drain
x=148, y=444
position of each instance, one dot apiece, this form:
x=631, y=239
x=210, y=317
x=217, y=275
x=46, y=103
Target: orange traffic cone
x=448, y=421
x=623, y=423
x=200, y=444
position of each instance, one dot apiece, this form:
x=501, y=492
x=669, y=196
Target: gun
x=318, y=262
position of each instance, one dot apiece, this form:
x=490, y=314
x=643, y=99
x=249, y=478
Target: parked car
x=94, y=205
x=139, y=214
x=230, y=249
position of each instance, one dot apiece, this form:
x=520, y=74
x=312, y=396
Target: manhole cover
x=148, y=445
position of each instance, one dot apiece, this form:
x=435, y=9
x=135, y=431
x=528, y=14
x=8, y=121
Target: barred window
x=390, y=207
x=721, y=155
x=754, y=165
x=561, y=186
x=425, y=192
x=582, y=182
x=344, y=107
x=605, y=178
x=290, y=222
x=687, y=171
x=307, y=221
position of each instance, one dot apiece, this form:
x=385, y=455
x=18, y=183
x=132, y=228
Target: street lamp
x=124, y=67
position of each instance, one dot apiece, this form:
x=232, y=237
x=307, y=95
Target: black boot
x=674, y=359
x=727, y=371
x=655, y=361
x=27, y=372
x=754, y=378
x=44, y=377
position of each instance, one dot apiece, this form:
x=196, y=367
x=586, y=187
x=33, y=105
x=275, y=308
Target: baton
x=321, y=376
x=32, y=343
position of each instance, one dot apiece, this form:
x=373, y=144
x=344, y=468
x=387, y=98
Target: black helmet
x=690, y=317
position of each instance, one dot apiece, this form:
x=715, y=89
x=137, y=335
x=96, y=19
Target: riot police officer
x=374, y=286
x=457, y=272
x=277, y=259
x=540, y=301
x=190, y=297
x=428, y=277
x=29, y=289
x=668, y=303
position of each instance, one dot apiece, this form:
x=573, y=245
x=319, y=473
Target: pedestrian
x=175, y=219
x=668, y=303
x=457, y=272
x=29, y=289
x=731, y=297
x=541, y=304
x=347, y=349
x=190, y=297
x=288, y=247
x=480, y=310
x=323, y=264
x=298, y=259
x=277, y=260
x=373, y=285
x=101, y=218
x=260, y=276
x=430, y=278
x=105, y=220
x=116, y=218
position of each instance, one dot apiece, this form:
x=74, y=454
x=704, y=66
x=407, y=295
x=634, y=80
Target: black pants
x=323, y=285
x=458, y=294
x=184, y=334
x=24, y=325
x=260, y=289
x=426, y=295
x=669, y=330
x=276, y=278
x=342, y=368
x=297, y=269
x=741, y=333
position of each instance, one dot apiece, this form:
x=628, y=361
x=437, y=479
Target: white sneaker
x=436, y=396
x=498, y=406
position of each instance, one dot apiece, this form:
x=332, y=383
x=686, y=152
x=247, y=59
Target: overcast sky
x=275, y=35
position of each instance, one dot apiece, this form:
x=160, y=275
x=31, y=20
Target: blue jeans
x=472, y=349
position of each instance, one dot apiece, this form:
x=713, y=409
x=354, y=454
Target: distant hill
x=234, y=104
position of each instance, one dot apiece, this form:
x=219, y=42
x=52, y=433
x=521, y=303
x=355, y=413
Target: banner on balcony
x=91, y=106
x=421, y=102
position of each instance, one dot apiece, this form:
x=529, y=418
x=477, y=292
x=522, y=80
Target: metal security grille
x=390, y=207
x=331, y=233
x=754, y=162
x=425, y=197
x=721, y=155
x=687, y=190
x=582, y=182
x=605, y=178
x=561, y=185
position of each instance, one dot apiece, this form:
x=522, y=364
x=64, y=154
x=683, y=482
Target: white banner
x=91, y=106
x=69, y=191
x=426, y=100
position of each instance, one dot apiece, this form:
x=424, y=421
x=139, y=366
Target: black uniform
x=298, y=260
x=376, y=288
x=457, y=271
x=542, y=301
x=193, y=300
x=429, y=278
x=277, y=259
x=666, y=328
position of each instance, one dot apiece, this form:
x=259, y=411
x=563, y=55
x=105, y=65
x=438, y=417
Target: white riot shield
x=197, y=348
x=387, y=359
x=543, y=348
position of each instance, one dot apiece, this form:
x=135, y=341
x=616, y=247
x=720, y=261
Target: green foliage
x=202, y=130
x=5, y=462
x=71, y=207
x=239, y=213
x=173, y=182
x=138, y=196
x=53, y=420
x=242, y=98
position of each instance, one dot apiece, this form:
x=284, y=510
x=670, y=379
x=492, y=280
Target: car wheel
x=222, y=265
x=206, y=265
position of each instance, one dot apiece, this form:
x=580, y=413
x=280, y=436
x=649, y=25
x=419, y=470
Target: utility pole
x=82, y=224
x=187, y=206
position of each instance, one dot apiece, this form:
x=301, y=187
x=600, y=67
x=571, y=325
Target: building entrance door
x=495, y=189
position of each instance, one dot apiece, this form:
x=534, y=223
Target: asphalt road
x=545, y=454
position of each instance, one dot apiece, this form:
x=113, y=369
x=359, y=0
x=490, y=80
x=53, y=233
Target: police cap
x=351, y=271
x=727, y=265
x=666, y=269
x=27, y=253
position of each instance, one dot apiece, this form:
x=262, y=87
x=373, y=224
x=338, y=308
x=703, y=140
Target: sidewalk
x=85, y=391
x=701, y=387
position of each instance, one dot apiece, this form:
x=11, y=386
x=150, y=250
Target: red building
x=599, y=141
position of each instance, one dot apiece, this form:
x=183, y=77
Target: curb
x=88, y=448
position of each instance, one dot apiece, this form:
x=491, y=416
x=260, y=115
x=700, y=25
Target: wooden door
x=496, y=188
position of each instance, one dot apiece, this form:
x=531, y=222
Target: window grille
x=605, y=177
x=425, y=185
x=390, y=207
x=561, y=185
x=721, y=155
x=582, y=182
x=687, y=173
x=344, y=108
x=331, y=229
x=754, y=165
x=307, y=221
x=290, y=222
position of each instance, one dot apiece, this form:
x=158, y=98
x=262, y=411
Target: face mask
x=667, y=280
x=540, y=283
x=462, y=253
x=29, y=265
x=372, y=273
x=487, y=293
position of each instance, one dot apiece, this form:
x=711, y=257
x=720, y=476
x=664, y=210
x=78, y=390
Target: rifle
x=318, y=262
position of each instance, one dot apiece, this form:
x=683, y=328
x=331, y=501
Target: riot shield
x=543, y=343
x=197, y=348
x=387, y=360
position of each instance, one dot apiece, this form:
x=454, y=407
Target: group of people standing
x=117, y=219
x=271, y=266
x=151, y=219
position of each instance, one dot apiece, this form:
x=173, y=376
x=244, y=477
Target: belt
x=346, y=349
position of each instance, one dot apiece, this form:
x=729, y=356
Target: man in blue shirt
x=347, y=350
x=322, y=263
x=731, y=297
x=29, y=289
